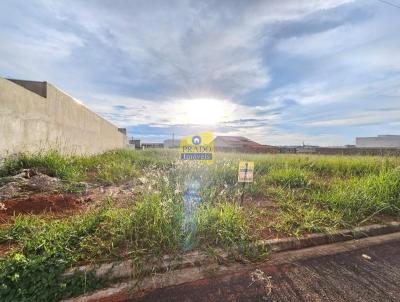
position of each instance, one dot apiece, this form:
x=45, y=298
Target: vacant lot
x=57, y=211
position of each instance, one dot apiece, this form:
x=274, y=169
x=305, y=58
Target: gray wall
x=30, y=122
x=381, y=141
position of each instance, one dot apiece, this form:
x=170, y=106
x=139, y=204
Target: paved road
x=345, y=276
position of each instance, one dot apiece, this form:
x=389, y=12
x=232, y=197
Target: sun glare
x=203, y=111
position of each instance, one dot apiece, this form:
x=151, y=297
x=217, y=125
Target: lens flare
x=191, y=200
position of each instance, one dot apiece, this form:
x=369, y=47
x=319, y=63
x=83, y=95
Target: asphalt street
x=367, y=274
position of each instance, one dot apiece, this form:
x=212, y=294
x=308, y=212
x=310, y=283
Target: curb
x=124, y=269
x=292, y=243
x=125, y=290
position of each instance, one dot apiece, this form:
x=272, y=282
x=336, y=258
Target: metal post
x=244, y=183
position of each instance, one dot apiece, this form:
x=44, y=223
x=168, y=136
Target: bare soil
x=33, y=193
x=6, y=248
x=41, y=203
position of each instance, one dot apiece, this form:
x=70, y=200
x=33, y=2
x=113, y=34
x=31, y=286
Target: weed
x=222, y=225
x=309, y=193
x=289, y=177
x=51, y=163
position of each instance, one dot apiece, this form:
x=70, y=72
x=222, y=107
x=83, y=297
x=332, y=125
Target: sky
x=277, y=72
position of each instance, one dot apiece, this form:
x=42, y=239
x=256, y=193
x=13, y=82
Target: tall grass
x=143, y=232
x=51, y=163
x=358, y=198
x=289, y=177
x=354, y=186
x=221, y=225
x=109, y=167
x=156, y=226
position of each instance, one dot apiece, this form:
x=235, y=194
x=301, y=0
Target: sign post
x=246, y=169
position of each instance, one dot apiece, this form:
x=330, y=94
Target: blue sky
x=278, y=72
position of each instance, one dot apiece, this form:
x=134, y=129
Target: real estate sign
x=246, y=169
x=198, y=147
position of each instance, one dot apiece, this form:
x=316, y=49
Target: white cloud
x=131, y=111
x=204, y=49
x=372, y=117
x=152, y=56
x=35, y=53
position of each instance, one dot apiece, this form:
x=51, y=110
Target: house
x=134, y=143
x=241, y=144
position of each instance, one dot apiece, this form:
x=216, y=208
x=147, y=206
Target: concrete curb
x=124, y=269
x=291, y=243
x=125, y=290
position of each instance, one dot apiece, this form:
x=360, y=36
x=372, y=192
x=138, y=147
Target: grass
x=350, y=189
x=143, y=232
x=308, y=193
x=289, y=177
x=46, y=249
x=222, y=225
x=107, y=168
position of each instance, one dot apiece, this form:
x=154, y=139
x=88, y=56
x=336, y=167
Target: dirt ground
x=42, y=203
x=34, y=193
x=38, y=194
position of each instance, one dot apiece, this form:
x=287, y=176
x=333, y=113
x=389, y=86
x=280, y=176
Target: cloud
x=196, y=49
x=284, y=71
x=368, y=118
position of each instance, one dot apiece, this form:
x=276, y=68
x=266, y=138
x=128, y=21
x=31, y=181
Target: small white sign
x=246, y=169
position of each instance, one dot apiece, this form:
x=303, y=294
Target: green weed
x=289, y=177
x=51, y=163
x=221, y=225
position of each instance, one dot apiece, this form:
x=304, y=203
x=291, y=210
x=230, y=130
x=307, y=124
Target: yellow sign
x=198, y=147
x=246, y=169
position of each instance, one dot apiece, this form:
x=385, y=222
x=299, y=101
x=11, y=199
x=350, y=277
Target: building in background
x=172, y=143
x=380, y=141
x=134, y=143
x=152, y=145
x=241, y=144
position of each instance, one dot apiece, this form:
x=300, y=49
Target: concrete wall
x=39, y=88
x=381, y=141
x=30, y=122
x=358, y=151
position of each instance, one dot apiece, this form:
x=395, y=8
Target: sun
x=203, y=111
